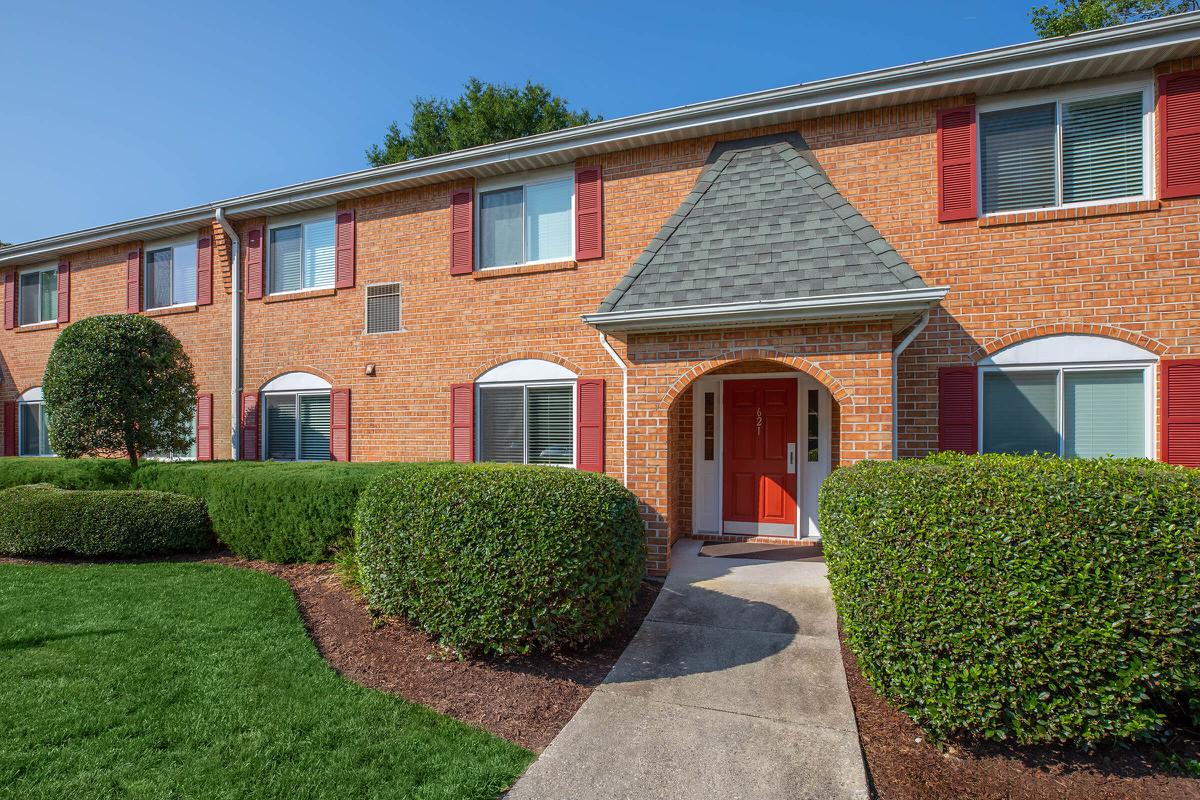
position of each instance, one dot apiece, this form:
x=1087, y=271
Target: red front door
x=760, y=457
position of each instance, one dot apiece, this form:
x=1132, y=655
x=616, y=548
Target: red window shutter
x=956, y=164
x=344, y=270
x=589, y=425
x=250, y=426
x=589, y=213
x=462, y=232
x=10, y=300
x=133, y=281
x=1180, y=390
x=339, y=424
x=10, y=427
x=204, y=259
x=204, y=410
x=64, y=292
x=254, y=263
x=1179, y=134
x=462, y=422
x=958, y=409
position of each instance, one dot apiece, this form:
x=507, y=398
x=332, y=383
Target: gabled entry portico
x=758, y=328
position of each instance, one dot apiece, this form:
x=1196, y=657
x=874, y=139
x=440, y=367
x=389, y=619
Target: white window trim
x=1059, y=96
x=573, y=383
x=51, y=266
x=550, y=175
x=163, y=244
x=366, y=305
x=289, y=221
x=30, y=397
x=262, y=423
x=1149, y=385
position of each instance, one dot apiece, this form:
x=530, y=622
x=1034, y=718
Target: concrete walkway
x=732, y=688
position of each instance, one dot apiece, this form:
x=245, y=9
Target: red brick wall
x=1131, y=271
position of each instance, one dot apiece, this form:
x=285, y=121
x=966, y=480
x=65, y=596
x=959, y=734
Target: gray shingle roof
x=763, y=222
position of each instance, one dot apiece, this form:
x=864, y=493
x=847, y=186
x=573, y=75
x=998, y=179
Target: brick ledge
x=286, y=298
x=169, y=310
x=1053, y=215
x=523, y=269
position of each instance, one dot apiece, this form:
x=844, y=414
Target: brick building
x=716, y=304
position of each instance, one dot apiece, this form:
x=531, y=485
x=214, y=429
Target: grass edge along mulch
x=902, y=765
x=140, y=679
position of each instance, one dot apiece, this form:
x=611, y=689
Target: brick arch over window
x=536, y=355
x=1085, y=328
x=325, y=376
x=839, y=392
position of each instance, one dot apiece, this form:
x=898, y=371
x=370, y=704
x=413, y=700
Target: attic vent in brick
x=383, y=308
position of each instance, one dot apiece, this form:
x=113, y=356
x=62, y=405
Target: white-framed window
x=170, y=273
x=528, y=219
x=525, y=414
x=382, y=308
x=38, y=295
x=1071, y=396
x=33, y=424
x=1067, y=148
x=183, y=455
x=295, y=417
x=301, y=252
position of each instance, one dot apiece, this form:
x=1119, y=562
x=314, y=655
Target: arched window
x=296, y=416
x=32, y=424
x=526, y=413
x=1071, y=395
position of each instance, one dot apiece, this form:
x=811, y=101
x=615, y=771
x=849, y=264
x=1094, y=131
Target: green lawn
x=199, y=681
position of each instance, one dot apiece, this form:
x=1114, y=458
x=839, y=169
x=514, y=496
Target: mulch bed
x=904, y=767
x=526, y=700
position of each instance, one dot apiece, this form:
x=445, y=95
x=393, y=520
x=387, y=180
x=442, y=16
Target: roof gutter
x=766, y=312
x=235, y=332
x=865, y=90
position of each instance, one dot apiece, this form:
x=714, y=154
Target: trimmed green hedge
x=65, y=473
x=44, y=520
x=1020, y=597
x=501, y=559
x=274, y=511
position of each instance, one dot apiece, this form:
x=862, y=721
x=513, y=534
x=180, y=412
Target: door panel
x=759, y=424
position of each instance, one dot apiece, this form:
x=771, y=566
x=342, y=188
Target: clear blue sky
x=116, y=109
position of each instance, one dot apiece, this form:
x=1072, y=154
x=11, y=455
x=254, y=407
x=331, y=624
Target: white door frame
x=708, y=495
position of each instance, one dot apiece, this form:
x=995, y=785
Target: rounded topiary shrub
x=501, y=559
x=1020, y=597
x=43, y=520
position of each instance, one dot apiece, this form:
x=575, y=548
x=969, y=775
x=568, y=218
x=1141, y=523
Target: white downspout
x=624, y=406
x=235, y=334
x=900, y=348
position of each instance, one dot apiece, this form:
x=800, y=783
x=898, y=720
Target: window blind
x=286, y=259
x=502, y=424
x=31, y=304
x=1105, y=414
x=1017, y=154
x=183, y=277
x=31, y=429
x=319, y=254
x=158, y=278
x=548, y=220
x=314, y=427
x=551, y=425
x=1102, y=148
x=500, y=228
x=281, y=427
x=1020, y=412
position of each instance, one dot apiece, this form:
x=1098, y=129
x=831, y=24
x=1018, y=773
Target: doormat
x=763, y=552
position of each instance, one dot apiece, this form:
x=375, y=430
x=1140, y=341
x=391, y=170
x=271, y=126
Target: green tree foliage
x=484, y=113
x=1074, y=16
x=119, y=383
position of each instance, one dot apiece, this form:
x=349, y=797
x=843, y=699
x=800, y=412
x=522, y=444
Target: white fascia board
x=874, y=305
